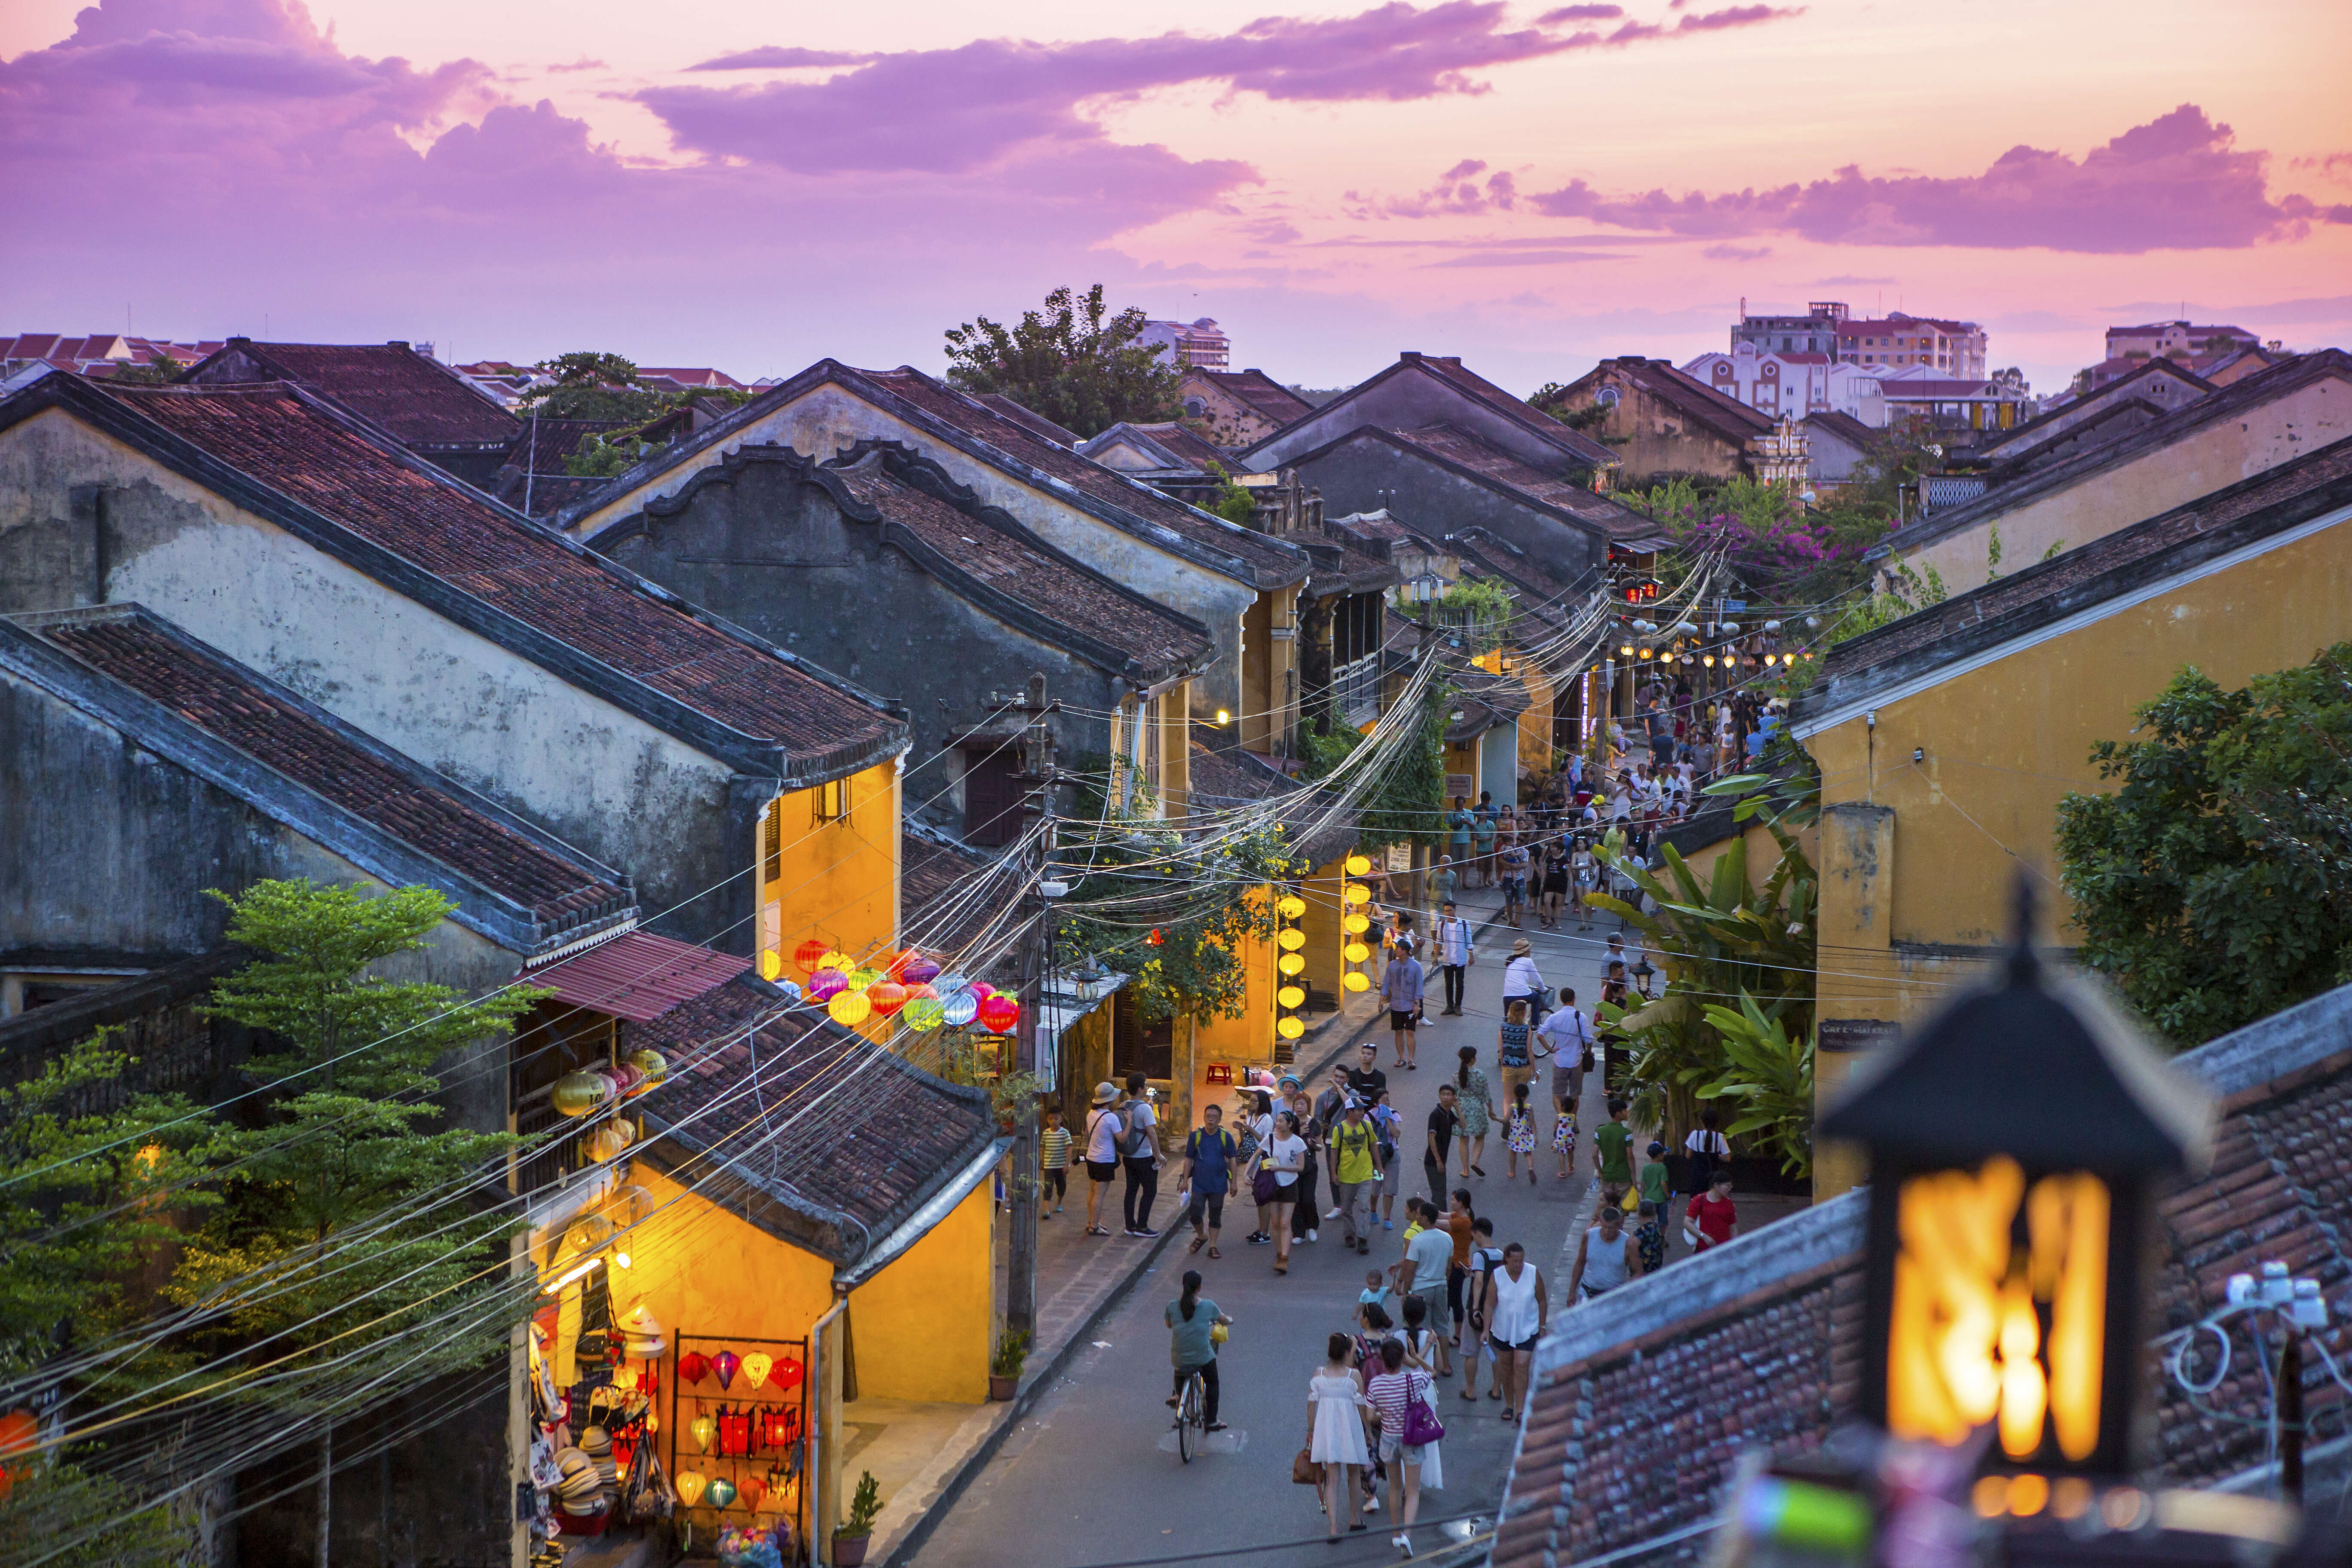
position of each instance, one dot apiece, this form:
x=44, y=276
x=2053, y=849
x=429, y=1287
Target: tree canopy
x=2215, y=884
x=1074, y=361
x=592, y=386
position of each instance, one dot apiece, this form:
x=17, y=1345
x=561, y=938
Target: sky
x=1530, y=186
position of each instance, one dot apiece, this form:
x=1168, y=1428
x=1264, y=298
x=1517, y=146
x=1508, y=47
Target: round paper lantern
x=652, y=1063
x=982, y=989
x=627, y=1077
x=886, y=995
x=850, y=1008
x=756, y=1367
x=754, y=1488
x=704, y=1429
x=949, y=983
x=1291, y=963
x=862, y=978
x=1358, y=865
x=772, y=963
x=1290, y=939
x=1290, y=905
x=721, y=1492
x=788, y=1374
x=959, y=1008
x=689, y=1484
x=1356, y=925
x=1355, y=952
x=834, y=958
x=919, y=969
x=1354, y=980
x=1290, y=1029
x=725, y=1364
x=925, y=1013
x=693, y=1366
x=998, y=1014
x=578, y=1093
x=808, y=956
x=1355, y=893
x=826, y=984
x=1291, y=996
x=889, y=964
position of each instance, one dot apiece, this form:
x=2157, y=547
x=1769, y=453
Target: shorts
x=1402, y=1021
x=1515, y=888
x=1055, y=1180
x=1502, y=1347
x=1393, y=1448
x=1211, y=1205
x=1102, y=1170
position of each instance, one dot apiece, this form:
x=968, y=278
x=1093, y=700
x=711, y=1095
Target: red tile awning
x=638, y=975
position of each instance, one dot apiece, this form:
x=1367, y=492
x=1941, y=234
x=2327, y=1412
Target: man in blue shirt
x=1400, y=989
x=1210, y=1153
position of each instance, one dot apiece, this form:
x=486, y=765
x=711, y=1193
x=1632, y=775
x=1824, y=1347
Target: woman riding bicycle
x=1192, y=1345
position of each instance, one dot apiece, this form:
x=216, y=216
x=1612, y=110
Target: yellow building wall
x=1250, y=1037
x=922, y=1326
x=703, y=1270
x=1919, y=860
x=1462, y=757
x=1534, y=725
x=2197, y=465
x=839, y=878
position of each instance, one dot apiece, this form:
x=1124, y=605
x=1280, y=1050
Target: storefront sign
x=1857, y=1034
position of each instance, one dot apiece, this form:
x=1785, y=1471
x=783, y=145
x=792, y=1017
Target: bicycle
x=1192, y=1416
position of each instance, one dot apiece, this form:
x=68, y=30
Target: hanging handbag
x=1421, y=1426
x=1304, y=1470
x=1264, y=1188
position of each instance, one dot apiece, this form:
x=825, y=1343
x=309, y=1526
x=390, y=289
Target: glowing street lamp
x=2014, y=1142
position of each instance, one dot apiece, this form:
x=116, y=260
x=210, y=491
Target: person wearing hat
x=1105, y=1131
x=1523, y=982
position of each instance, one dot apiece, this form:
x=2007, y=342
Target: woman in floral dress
x=1472, y=1105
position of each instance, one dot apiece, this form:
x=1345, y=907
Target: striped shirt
x=1053, y=1148
x=1391, y=1392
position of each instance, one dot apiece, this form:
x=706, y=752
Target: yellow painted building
x=1947, y=739
x=828, y=861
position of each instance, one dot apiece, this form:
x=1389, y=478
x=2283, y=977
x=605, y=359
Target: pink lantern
x=997, y=1013
x=725, y=1364
x=826, y=984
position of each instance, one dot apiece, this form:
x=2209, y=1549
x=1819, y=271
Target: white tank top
x=1604, y=1260
x=1516, y=1312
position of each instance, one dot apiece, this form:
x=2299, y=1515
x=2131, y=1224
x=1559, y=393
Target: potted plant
x=849, y=1542
x=1005, y=1366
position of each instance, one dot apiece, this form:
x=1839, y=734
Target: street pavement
x=1092, y=1476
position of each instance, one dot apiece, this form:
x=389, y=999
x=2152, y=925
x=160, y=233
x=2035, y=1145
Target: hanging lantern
x=1290, y=1029
x=789, y=1373
x=1356, y=925
x=1291, y=963
x=959, y=1008
x=626, y=1078
x=703, y=1430
x=771, y=964
x=1290, y=939
x=889, y=964
x=1358, y=865
x=826, y=984
x=689, y=1484
x=578, y=1093
x=1290, y=905
x=1289, y=997
x=756, y=1367
x=725, y=1365
x=861, y=978
x=948, y=984
x=1355, y=893
x=850, y=1008
x=721, y=1492
x=919, y=969
x=809, y=957
x=925, y=1013
x=982, y=989
x=1354, y=980
x=652, y=1063
x=998, y=1014
x=834, y=958
x=693, y=1366
x=886, y=995
x=754, y=1488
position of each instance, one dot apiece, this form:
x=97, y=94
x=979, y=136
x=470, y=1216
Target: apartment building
x=1899, y=341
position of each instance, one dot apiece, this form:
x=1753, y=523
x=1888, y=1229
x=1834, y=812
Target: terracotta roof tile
x=273, y=434
x=1268, y=396
x=931, y=876
x=415, y=397
x=1459, y=446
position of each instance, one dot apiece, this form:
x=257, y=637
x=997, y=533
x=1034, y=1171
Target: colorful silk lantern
x=704, y=1429
x=1355, y=893
x=925, y=1013
x=721, y=1492
x=826, y=984
x=652, y=1063
x=693, y=1366
x=1290, y=938
x=725, y=1364
x=578, y=1093
x=1290, y=905
x=756, y=1367
x=886, y=996
x=919, y=969
x=1358, y=865
x=834, y=958
x=861, y=978
x=790, y=1372
x=850, y=1008
x=949, y=983
x=809, y=956
x=754, y=1488
x=1355, y=952
x=690, y=1484
x=1356, y=925
x=982, y=989
x=959, y=1008
x=998, y=1014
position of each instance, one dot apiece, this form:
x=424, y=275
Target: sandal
x=1282, y=1269
x=1214, y=1253
x=1096, y=1230
x=1481, y=1170
x=1197, y=1242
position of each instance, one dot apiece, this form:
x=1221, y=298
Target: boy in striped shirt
x=1054, y=1162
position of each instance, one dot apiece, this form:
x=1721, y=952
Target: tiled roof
x=1272, y=562
x=1227, y=776
x=278, y=730
x=931, y=874
x=1182, y=441
x=1758, y=1343
x=541, y=445
x=1268, y=396
x=638, y=975
x=290, y=443
x=1587, y=506
x=1847, y=428
x=983, y=545
x=1726, y=416
x=1448, y=369
x=2113, y=390
x=1029, y=418
x=1534, y=588
x=421, y=401
x=814, y=1133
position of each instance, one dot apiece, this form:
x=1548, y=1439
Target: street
x=1093, y=1476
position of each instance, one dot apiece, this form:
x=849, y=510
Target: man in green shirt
x=1354, y=1153
x=1612, y=1154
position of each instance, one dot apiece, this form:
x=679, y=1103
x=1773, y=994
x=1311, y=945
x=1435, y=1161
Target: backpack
x=1384, y=1127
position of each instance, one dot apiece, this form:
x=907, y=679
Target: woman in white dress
x=1335, y=1433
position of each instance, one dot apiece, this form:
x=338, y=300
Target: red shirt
x=1714, y=1219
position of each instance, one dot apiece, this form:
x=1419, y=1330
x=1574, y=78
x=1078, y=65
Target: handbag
x=1264, y=1188
x=1304, y=1470
x=1422, y=1425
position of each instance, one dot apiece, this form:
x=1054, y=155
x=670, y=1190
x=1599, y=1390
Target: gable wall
x=1367, y=474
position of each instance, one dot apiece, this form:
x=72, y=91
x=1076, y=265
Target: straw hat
x=1105, y=1093
x=1520, y=948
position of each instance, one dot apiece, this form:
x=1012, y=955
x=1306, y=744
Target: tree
x=592, y=386
x=1233, y=504
x=1073, y=362
x=350, y=1233
x=2215, y=884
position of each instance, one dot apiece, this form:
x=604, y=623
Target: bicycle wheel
x=1188, y=1417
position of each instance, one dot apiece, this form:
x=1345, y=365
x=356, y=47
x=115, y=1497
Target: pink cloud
x=1580, y=13
x=1457, y=191
x=1736, y=16
x=953, y=110
x=776, y=57
x=1736, y=252
x=2177, y=183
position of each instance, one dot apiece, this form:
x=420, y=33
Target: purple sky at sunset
x=1529, y=186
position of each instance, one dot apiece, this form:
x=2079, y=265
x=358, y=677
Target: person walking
x=1613, y=1154
x=1210, y=1152
x=1511, y=866
x=1395, y=1392
x=1606, y=1257
x=1053, y=1163
x=1523, y=982
x=1712, y=1217
x=1336, y=1411
x=1481, y=841
x=1455, y=954
x=1427, y=1257
x=1445, y=880
x=1519, y=1135
x=1366, y=1075
x=1401, y=990
x=1515, y=1049
x=1474, y=1103
x=1459, y=1222
x=1518, y=1310
x=1386, y=1125
x=1653, y=1183
x=1580, y=880
x=1353, y=1147
x=1457, y=838
x=1555, y=883
x=1485, y=1259
x=1140, y=1152
x=1310, y=1132
x=1281, y=1160
x=1192, y=1346
x=1106, y=1131
x=1440, y=1138
x=1567, y=1040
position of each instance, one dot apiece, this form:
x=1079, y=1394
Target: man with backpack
x=1210, y=1155
x=1140, y=1152
x=1353, y=1149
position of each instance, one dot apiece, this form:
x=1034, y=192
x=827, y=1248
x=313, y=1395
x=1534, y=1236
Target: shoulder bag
x=1304, y=1470
x=1422, y=1425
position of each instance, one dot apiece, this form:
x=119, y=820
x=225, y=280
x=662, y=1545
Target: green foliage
x=58, y=1501
x=1325, y=753
x=599, y=459
x=160, y=371
x=2215, y=884
x=1202, y=905
x=865, y=1507
x=1478, y=607
x=1402, y=801
x=1012, y=1351
x=91, y=1199
x=1768, y=1077
x=591, y=385
x=1074, y=361
x=1233, y=504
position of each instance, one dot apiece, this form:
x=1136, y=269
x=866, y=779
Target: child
x=1712, y=1219
x=1563, y=1136
x=1656, y=1186
x=1519, y=1135
x=1054, y=1163
x=1649, y=1237
x=1372, y=1298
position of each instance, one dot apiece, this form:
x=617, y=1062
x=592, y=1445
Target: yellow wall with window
x=829, y=867
x=1250, y=1037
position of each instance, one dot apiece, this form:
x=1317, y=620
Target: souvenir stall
x=738, y=1441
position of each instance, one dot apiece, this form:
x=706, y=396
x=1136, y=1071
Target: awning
x=638, y=975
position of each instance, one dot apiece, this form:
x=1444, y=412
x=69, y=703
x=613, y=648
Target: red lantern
x=807, y=954
x=998, y=1015
x=886, y=996
x=1155, y=939
x=693, y=1366
x=789, y=1373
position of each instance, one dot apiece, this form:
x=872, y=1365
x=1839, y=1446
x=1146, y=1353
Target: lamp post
x=2014, y=1142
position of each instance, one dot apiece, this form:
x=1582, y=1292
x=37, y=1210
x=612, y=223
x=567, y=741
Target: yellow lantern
x=835, y=958
x=772, y=963
x=704, y=1429
x=1354, y=980
x=689, y=1485
x=1356, y=925
x=1290, y=939
x=578, y=1093
x=1355, y=952
x=1290, y=1028
x=850, y=1008
x=1290, y=905
x=1290, y=963
x=1355, y=892
x=1359, y=864
x=1291, y=996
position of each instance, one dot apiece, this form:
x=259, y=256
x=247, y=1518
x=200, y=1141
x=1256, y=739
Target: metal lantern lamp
x=1642, y=973
x=2015, y=1142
